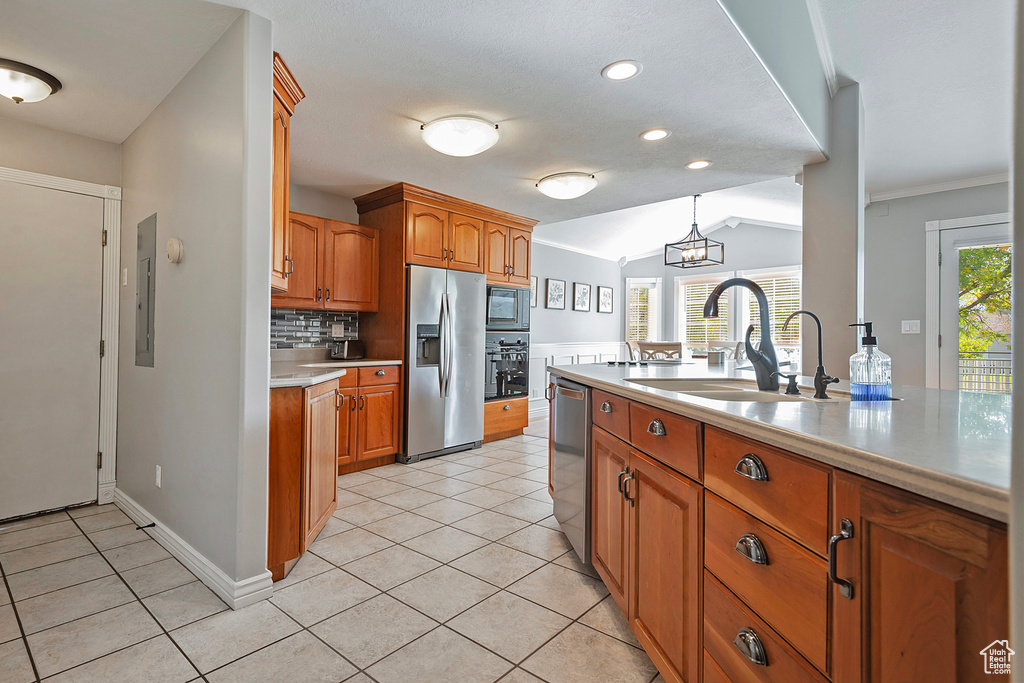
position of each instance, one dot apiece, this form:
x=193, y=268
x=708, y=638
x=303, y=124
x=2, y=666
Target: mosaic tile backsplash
x=296, y=329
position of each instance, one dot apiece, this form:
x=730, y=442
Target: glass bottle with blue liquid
x=870, y=370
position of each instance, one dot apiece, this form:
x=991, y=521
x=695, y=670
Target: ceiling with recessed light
x=117, y=59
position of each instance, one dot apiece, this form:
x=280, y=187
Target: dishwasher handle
x=575, y=394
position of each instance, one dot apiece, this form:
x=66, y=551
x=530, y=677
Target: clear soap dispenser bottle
x=870, y=370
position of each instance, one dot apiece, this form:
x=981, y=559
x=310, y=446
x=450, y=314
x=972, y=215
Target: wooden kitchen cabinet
x=930, y=588
x=319, y=459
x=287, y=94
x=465, y=243
x=665, y=563
x=426, y=235
x=335, y=266
x=377, y=431
x=507, y=255
x=610, y=509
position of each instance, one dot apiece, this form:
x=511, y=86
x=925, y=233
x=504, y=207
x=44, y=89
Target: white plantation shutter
x=783, y=292
x=643, y=309
x=696, y=328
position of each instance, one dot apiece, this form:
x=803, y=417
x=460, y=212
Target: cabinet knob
x=750, y=646
x=380, y=373
x=751, y=467
x=750, y=547
x=606, y=407
x=657, y=428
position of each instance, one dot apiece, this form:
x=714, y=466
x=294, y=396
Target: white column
x=1017, y=472
x=833, y=238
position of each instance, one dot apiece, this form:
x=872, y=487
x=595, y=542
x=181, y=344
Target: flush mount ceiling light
x=622, y=70
x=695, y=250
x=655, y=134
x=698, y=164
x=460, y=136
x=24, y=83
x=567, y=185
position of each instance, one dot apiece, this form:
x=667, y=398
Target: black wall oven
x=508, y=309
x=507, y=365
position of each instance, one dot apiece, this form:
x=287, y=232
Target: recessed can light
x=567, y=185
x=622, y=70
x=655, y=134
x=460, y=136
x=698, y=164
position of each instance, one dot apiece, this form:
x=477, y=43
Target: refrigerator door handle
x=442, y=365
x=449, y=318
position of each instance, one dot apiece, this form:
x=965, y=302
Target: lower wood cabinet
x=646, y=545
x=929, y=588
x=319, y=467
x=505, y=418
x=377, y=425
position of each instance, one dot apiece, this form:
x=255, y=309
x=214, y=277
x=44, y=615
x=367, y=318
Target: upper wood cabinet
x=336, y=266
x=287, y=94
x=929, y=588
x=426, y=235
x=507, y=255
x=465, y=243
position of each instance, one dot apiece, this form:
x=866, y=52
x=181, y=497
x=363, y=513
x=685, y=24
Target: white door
x=51, y=259
x=974, y=308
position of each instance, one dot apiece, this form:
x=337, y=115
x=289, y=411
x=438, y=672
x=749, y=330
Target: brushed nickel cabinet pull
x=749, y=645
x=380, y=373
x=845, y=532
x=657, y=428
x=507, y=407
x=751, y=467
x=606, y=407
x=750, y=547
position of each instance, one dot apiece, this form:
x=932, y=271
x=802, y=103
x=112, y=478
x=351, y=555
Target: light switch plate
x=911, y=327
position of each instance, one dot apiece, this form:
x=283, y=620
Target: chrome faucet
x=821, y=380
x=766, y=365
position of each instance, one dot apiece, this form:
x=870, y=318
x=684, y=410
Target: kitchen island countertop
x=951, y=446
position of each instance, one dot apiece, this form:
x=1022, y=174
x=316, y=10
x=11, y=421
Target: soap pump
x=870, y=370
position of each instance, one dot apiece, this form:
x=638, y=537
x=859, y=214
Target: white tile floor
x=447, y=570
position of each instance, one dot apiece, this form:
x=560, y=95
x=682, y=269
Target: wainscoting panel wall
x=569, y=353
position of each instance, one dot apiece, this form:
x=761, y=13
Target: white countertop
x=292, y=373
x=947, y=445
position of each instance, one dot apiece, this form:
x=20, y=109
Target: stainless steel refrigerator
x=444, y=401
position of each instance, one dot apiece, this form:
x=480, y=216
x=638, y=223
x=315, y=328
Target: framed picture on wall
x=580, y=297
x=556, y=293
x=533, y=291
x=605, y=296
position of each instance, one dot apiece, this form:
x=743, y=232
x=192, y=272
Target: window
x=783, y=291
x=643, y=309
x=694, y=328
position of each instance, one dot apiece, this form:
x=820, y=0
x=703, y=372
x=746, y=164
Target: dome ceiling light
x=567, y=185
x=460, y=136
x=655, y=134
x=622, y=70
x=25, y=83
x=698, y=164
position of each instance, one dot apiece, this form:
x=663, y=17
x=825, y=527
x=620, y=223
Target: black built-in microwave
x=508, y=309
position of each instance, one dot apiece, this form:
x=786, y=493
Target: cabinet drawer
x=793, y=497
x=506, y=415
x=611, y=413
x=670, y=438
x=386, y=374
x=725, y=617
x=789, y=591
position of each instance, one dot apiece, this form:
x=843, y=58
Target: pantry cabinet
x=287, y=94
x=928, y=587
x=335, y=266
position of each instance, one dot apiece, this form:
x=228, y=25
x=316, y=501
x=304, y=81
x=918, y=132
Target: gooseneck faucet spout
x=821, y=380
x=763, y=359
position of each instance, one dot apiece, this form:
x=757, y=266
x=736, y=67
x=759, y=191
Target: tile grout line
x=21, y=627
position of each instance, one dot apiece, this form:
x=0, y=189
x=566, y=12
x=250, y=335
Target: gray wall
x=895, y=266
x=550, y=326
x=305, y=199
x=747, y=247
x=28, y=147
x=202, y=411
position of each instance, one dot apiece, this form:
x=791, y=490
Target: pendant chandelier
x=695, y=250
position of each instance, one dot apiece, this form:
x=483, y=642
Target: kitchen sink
x=738, y=390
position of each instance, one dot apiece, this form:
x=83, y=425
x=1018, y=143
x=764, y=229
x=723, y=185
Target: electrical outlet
x=158, y=476
x=535, y=393
x=337, y=330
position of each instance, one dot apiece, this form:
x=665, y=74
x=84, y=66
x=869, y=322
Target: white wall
x=894, y=287
x=28, y=147
x=549, y=326
x=747, y=247
x=305, y=199
x=202, y=162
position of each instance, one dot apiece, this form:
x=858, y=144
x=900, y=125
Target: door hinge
x=940, y=258
x=103, y=347
x=99, y=460
x=104, y=238
x=940, y=341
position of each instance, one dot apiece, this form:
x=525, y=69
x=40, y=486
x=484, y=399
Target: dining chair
x=660, y=350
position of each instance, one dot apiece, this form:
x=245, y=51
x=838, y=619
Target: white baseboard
x=539, y=412
x=106, y=492
x=236, y=594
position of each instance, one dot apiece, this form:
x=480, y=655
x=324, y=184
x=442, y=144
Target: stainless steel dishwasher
x=570, y=439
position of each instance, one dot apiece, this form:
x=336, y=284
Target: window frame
x=681, y=281
x=654, y=306
x=775, y=272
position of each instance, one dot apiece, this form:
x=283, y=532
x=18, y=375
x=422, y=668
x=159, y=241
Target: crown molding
x=824, y=49
x=939, y=187
x=566, y=247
